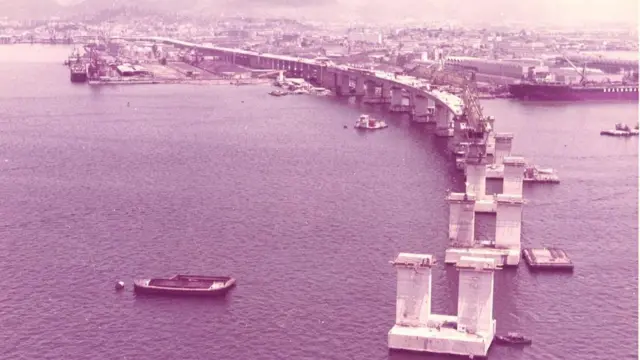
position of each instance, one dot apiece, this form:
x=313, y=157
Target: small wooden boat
x=186, y=285
x=513, y=338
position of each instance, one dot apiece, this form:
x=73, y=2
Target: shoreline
x=178, y=81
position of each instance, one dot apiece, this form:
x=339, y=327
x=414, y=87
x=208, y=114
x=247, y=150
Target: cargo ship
x=544, y=86
x=568, y=92
x=78, y=72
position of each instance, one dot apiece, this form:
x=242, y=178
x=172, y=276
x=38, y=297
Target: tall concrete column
x=503, y=142
x=396, y=97
x=513, y=175
x=444, y=121
x=360, y=86
x=420, y=108
x=508, y=221
x=475, y=295
x=385, y=93
x=413, y=294
x=371, y=96
x=342, y=87
x=397, y=100
x=476, y=171
x=328, y=80
x=461, y=219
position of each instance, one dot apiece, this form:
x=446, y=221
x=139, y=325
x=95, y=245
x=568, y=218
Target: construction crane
x=476, y=125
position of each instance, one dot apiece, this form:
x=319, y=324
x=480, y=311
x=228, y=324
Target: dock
x=547, y=259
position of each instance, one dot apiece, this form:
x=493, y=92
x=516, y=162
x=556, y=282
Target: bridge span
x=403, y=93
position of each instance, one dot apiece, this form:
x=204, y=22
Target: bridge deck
x=450, y=101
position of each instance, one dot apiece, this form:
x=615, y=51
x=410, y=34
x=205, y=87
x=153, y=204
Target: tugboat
x=513, y=338
x=369, y=123
x=186, y=285
x=621, y=130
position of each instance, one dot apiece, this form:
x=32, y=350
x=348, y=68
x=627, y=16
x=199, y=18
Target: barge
x=185, y=285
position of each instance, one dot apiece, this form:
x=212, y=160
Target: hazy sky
x=567, y=12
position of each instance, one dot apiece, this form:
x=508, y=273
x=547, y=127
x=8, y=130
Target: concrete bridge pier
x=343, y=87
x=328, y=80
x=476, y=178
x=420, y=108
x=385, y=93
x=502, y=147
x=461, y=220
x=360, y=86
x=491, y=140
x=372, y=95
x=444, y=121
x=513, y=175
x=509, y=227
x=398, y=101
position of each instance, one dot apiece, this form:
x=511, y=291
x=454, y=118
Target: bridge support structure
x=444, y=121
x=399, y=103
x=421, y=111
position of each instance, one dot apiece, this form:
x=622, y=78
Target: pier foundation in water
x=469, y=333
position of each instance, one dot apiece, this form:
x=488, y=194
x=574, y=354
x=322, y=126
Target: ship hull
x=573, y=93
x=78, y=77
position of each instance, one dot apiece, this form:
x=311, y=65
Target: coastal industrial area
x=498, y=57
x=436, y=75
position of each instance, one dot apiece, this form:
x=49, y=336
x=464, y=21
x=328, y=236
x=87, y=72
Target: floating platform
x=502, y=257
x=441, y=336
x=547, y=259
x=543, y=180
x=619, y=133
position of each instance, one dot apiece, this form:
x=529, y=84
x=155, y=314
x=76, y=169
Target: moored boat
x=621, y=130
x=367, y=122
x=186, y=285
x=513, y=338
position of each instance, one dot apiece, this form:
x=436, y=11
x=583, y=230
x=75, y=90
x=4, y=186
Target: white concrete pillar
x=413, y=298
x=513, y=175
x=476, y=182
x=508, y=221
x=475, y=295
x=462, y=219
x=503, y=143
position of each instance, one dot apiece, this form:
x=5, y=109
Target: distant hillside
x=29, y=9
